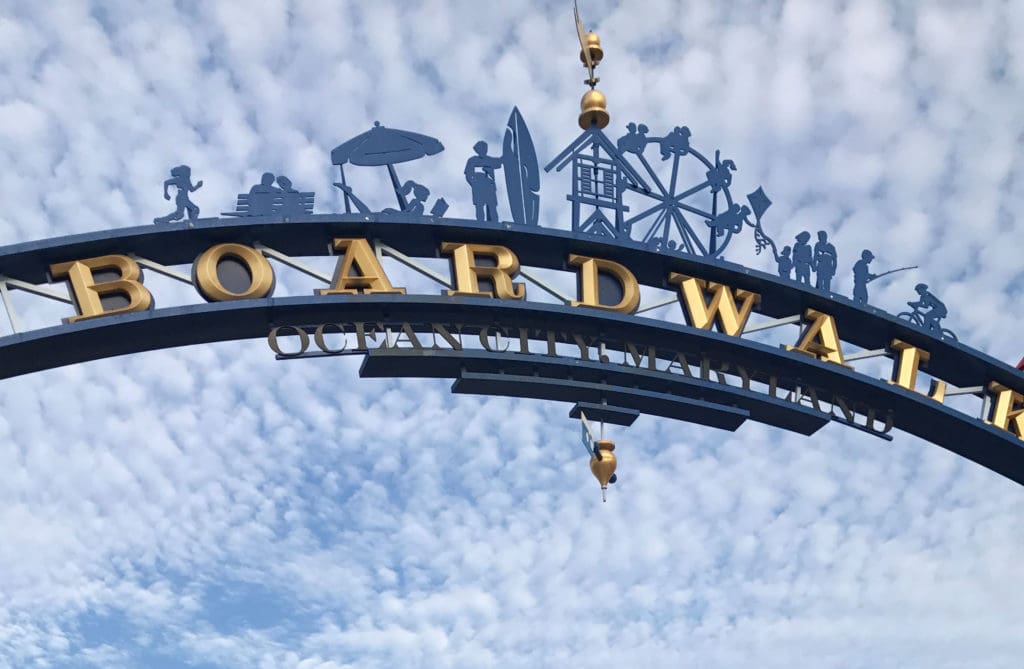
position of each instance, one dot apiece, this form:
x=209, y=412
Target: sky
x=212, y=507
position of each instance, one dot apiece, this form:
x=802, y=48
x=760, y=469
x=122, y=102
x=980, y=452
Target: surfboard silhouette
x=522, y=173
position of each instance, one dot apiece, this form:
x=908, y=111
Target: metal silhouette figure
x=862, y=276
x=731, y=220
x=720, y=176
x=351, y=200
x=480, y=177
x=634, y=141
x=785, y=263
x=181, y=178
x=415, y=206
x=676, y=143
x=803, y=260
x=383, y=147
x=600, y=177
x=273, y=196
x=522, y=173
x=826, y=260
x=665, y=205
x=930, y=319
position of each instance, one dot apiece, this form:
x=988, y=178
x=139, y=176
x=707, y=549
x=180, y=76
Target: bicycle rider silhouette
x=937, y=310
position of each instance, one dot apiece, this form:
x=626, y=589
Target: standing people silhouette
x=785, y=263
x=825, y=262
x=181, y=178
x=802, y=258
x=480, y=177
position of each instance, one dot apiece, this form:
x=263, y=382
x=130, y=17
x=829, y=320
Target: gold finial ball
x=593, y=44
x=605, y=467
x=594, y=109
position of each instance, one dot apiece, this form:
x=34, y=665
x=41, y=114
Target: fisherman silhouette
x=936, y=309
x=181, y=178
x=825, y=262
x=480, y=177
x=802, y=259
x=635, y=140
x=785, y=263
x=676, y=142
x=862, y=276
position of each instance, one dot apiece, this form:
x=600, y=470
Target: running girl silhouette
x=181, y=178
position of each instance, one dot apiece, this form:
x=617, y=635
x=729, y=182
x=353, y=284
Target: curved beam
x=995, y=449
x=180, y=243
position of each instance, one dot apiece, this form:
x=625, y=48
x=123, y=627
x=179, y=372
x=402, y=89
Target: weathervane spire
x=593, y=106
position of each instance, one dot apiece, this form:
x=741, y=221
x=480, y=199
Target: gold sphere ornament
x=592, y=43
x=594, y=109
x=603, y=468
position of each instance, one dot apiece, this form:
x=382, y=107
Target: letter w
x=702, y=312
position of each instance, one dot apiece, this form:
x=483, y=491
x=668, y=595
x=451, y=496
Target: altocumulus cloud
x=211, y=507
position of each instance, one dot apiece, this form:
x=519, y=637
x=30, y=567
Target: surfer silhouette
x=480, y=177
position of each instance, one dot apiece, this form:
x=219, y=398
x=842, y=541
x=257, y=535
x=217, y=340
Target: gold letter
x=89, y=293
x=905, y=366
x=701, y=313
x=468, y=272
x=209, y=285
x=371, y=277
x=1007, y=409
x=276, y=347
x=821, y=338
x=588, y=284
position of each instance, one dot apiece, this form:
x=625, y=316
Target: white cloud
x=366, y=523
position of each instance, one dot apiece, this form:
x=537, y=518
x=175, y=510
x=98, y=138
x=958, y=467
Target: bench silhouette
x=271, y=204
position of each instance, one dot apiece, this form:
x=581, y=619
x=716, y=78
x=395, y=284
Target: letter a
x=821, y=338
x=370, y=278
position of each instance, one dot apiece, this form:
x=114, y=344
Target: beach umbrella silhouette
x=384, y=146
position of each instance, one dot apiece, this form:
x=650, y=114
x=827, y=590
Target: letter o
x=208, y=281
x=276, y=348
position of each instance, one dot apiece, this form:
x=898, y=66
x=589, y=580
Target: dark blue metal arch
x=182, y=242
x=995, y=449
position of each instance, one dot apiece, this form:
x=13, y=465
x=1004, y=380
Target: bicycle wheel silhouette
x=911, y=316
x=915, y=318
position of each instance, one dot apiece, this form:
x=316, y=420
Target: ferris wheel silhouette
x=688, y=206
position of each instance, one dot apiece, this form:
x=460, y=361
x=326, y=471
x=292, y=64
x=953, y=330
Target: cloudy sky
x=212, y=507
